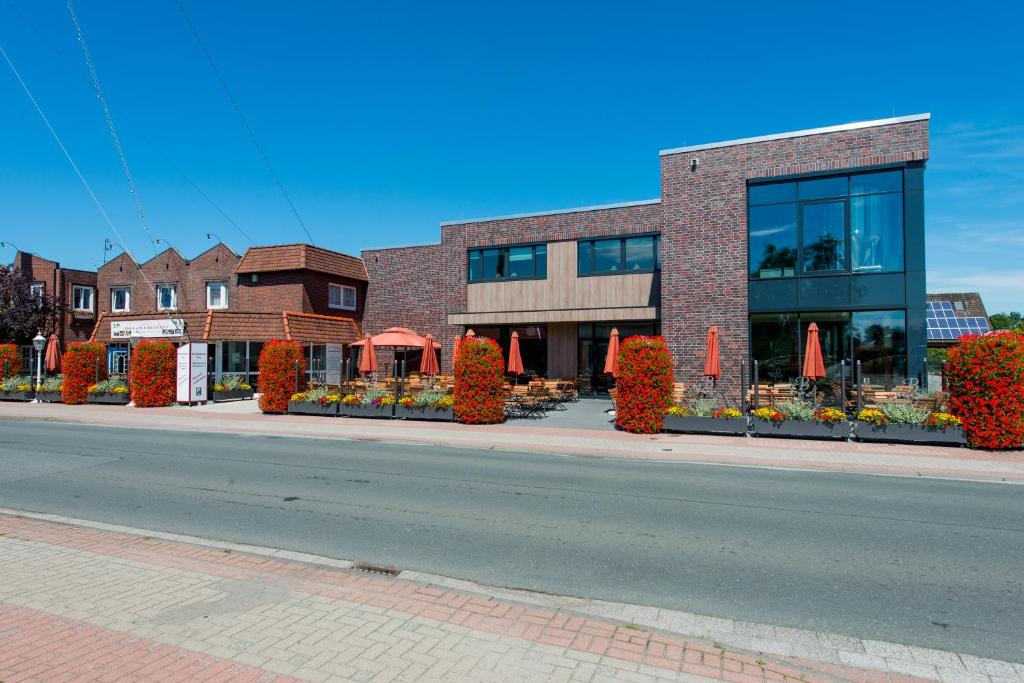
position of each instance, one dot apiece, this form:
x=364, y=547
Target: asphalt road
x=918, y=561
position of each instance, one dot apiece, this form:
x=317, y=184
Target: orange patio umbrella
x=611, y=361
x=400, y=337
x=712, y=363
x=428, y=363
x=470, y=334
x=368, y=357
x=52, y=354
x=515, y=360
x=814, y=364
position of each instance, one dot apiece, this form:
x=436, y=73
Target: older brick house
x=759, y=236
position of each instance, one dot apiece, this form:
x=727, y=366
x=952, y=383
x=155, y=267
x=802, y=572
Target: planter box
x=802, y=429
x=903, y=433
x=309, y=408
x=693, y=424
x=233, y=395
x=414, y=413
x=366, y=411
x=17, y=395
x=113, y=399
x=50, y=397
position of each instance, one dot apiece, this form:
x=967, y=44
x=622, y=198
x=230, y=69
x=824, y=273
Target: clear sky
x=385, y=118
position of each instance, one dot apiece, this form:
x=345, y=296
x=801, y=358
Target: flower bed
x=231, y=388
x=375, y=403
x=314, y=402
x=17, y=388
x=691, y=420
x=798, y=420
x=903, y=423
x=50, y=391
x=113, y=390
x=427, y=405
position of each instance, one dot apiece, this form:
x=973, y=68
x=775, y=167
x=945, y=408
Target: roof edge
x=555, y=212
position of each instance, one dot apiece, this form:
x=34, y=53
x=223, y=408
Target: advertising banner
x=192, y=361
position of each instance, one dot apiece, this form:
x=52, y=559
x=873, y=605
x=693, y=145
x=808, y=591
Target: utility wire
x=241, y=116
x=134, y=127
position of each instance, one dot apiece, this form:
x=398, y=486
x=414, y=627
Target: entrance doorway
x=593, y=339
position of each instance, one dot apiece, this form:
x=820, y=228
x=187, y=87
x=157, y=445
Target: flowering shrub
x=986, y=383
x=10, y=360
x=942, y=420
x=79, y=367
x=479, y=382
x=153, y=374
x=320, y=395
x=644, y=385
x=384, y=401
x=872, y=416
x=278, y=363
x=727, y=413
x=769, y=414
x=406, y=402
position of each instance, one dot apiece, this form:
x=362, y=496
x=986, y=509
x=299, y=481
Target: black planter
x=17, y=395
x=233, y=395
x=112, y=399
x=693, y=424
x=362, y=410
x=434, y=414
x=50, y=397
x=802, y=429
x=312, y=408
x=905, y=433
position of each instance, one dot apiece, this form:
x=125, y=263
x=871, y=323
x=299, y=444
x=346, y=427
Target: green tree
x=1006, y=321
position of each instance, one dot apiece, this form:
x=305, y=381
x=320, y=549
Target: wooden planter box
x=435, y=414
x=693, y=424
x=802, y=429
x=50, y=397
x=17, y=395
x=905, y=433
x=366, y=411
x=312, y=408
x=112, y=399
x=233, y=395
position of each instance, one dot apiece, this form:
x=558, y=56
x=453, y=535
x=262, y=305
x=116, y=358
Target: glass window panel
x=607, y=256
x=492, y=264
x=833, y=336
x=773, y=344
x=254, y=356
x=824, y=236
x=824, y=187
x=773, y=241
x=540, y=260
x=348, y=297
x=474, y=265
x=772, y=193
x=876, y=232
x=232, y=356
x=657, y=252
x=585, y=257
x=640, y=253
x=880, y=344
x=520, y=262
x=885, y=181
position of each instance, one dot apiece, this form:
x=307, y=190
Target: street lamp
x=38, y=343
x=6, y=244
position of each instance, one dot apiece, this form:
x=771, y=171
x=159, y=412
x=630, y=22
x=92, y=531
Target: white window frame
x=341, y=289
x=74, y=298
x=224, y=295
x=127, y=300
x=174, y=296
x=37, y=289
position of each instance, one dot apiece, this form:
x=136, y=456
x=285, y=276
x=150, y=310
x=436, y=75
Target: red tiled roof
x=301, y=257
x=972, y=304
x=309, y=327
x=239, y=326
x=231, y=325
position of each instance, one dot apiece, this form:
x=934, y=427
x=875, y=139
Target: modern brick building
x=759, y=236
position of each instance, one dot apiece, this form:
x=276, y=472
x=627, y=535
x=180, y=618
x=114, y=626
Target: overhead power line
x=241, y=116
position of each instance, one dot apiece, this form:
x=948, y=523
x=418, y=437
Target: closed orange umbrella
x=368, y=356
x=814, y=364
x=52, y=354
x=611, y=361
x=428, y=363
x=470, y=334
x=712, y=363
x=515, y=361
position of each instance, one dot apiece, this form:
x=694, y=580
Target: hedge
x=79, y=365
x=479, y=382
x=643, y=385
x=277, y=374
x=986, y=384
x=10, y=360
x=153, y=375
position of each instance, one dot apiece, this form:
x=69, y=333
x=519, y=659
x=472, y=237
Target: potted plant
x=17, y=388
x=113, y=390
x=799, y=420
x=318, y=401
x=427, y=405
x=373, y=403
x=231, y=388
x=51, y=389
x=906, y=423
x=703, y=416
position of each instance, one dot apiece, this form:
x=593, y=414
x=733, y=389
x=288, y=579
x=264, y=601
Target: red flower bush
x=10, y=361
x=79, y=366
x=154, y=374
x=644, y=385
x=986, y=383
x=479, y=382
x=278, y=361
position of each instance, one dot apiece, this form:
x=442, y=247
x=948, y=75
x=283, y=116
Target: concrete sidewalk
x=244, y=418
x=97, y=603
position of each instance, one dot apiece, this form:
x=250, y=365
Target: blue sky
x=384, y=119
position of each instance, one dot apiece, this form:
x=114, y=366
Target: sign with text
x=333, y=369
x=147, y=329
x=192, y=362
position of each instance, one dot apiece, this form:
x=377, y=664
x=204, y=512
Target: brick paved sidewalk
x=92, y=604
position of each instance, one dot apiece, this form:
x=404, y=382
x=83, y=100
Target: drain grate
x=385, y=569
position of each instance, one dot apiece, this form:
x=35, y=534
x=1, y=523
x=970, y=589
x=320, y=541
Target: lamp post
x=38, y=343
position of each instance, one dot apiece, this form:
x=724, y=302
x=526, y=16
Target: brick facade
x=58, y=281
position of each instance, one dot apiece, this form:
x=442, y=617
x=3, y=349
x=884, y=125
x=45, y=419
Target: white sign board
x=147, y=329
x=192, y=373
x=333, y=374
